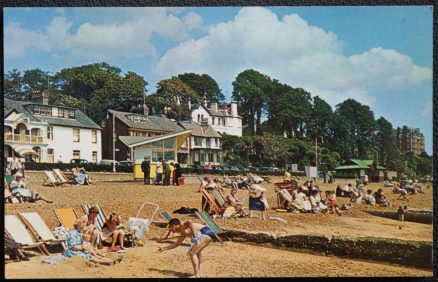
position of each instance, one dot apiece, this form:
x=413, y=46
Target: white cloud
x=296, y=53
x=119, y=39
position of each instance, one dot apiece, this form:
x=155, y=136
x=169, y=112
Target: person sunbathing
x=200, y=237
x=403, y=193
x=22, y=193
x=233, y=201
x=380, y=198
x=315, y=201
x=369, y=198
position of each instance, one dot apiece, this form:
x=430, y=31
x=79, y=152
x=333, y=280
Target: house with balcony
x=223, y=119
x=41, y=132
x=204, y=144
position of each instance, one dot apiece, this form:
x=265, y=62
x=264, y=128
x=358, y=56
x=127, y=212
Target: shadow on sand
x=171, y=272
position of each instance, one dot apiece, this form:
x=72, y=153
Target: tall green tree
x=251, y=90
x=361, y=125
x=204, y=85
x=320, y=119
x=385, y=142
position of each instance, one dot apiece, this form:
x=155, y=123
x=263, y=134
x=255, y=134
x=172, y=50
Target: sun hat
x=18, y=174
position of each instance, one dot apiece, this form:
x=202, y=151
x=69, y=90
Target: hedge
x=88, y=167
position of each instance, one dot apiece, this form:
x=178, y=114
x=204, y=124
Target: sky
x=380, y=56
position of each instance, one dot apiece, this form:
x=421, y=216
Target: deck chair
x=8, y=196
x=39, y=229
x=66, y=217
x=219, y=198
x=62, y=178
x=51, y=179
x=140, y=225
x=167, y=218
x=210, y=223
x=101, y=218
x=283, y=198
x=209, y=199
x=18, y=232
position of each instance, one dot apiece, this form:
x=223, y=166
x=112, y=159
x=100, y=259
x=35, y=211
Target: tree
x=13, y=85
x=35, y=80
x=172, y=97
x=320, y=119
x=385, y=141
x=361, y=126
x=251, y=90
x=204, y=85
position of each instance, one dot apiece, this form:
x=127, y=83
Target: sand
x=221, y=260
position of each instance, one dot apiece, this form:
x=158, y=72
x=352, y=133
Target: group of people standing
x=163, y=172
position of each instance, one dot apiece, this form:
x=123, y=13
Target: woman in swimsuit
x=200, y=236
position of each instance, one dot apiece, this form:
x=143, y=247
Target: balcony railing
x=23, y=138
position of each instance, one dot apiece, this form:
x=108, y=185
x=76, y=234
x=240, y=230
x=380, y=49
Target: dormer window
x=137, y=118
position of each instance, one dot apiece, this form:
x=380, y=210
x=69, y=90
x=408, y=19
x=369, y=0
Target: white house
x=48, y=133
x=222, y=119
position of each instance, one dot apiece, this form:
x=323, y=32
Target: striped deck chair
x=62, y=178
x=66, y=217
x=218, y=197
x=210, y=223
x=101, y=218
x=51, y=179
x=210, y=203
x=39, y=229
x=17, y=231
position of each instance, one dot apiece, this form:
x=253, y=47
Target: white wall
x=233, y=125
x=63, y=144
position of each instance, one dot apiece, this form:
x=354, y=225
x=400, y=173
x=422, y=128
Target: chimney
x=190, y=104
x=233, y=109
x=40, y=97
x=214, y=106
x=145, y=110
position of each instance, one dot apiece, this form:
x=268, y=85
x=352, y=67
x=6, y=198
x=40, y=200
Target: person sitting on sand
x=200, y=237
x=19, y=189
x=232, y=201
x=75, y=248
x=315, y=201
x=380, y=198
x=331, y=202
x=403, y=193
x=298, y=198
x=369, y=198
x=114, y=229
x=231, y=182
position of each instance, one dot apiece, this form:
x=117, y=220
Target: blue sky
x=380, y=56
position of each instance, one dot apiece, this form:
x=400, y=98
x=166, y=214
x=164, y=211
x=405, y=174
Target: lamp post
x=114, y=141
x=316, y=154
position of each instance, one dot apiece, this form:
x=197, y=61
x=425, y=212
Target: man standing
x=146, y=168
x=159, y=172
x=166, y=172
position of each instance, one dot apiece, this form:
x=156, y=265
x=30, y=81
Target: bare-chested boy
x=200, y=237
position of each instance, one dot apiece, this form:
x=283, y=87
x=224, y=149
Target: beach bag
x=138, y=226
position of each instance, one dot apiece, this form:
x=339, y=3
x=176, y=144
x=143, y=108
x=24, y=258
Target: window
x=71, y=113
x=150, y=134
x=94, y=136
x=50, y=156
x=208, y=140
x=199, y=117
x=218, y=121
x=137, y=118
x=76, y=135
x=212, y=120
x=61, y=113
x=223, y=122
x=94, y=157
x=198, y=141
x=76, y=154
x=50, y=132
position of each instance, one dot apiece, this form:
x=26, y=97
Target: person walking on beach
x=146, y=168
x=200, y=238
x=159, y=172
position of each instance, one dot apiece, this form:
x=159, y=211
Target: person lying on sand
x=200, y=238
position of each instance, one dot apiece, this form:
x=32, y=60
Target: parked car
x=108, y=162
x=217, y=167
x=124, y=163
x=78, y=161
x=243, y=169
x=231, y=167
